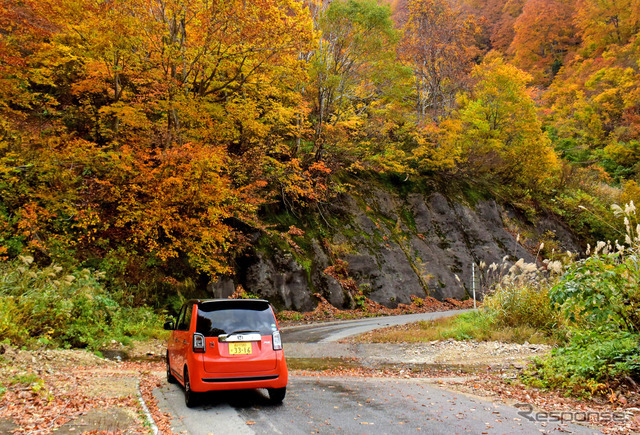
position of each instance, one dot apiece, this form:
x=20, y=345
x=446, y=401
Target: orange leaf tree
x=544, y=35
x=152, y=124
x=438, y=44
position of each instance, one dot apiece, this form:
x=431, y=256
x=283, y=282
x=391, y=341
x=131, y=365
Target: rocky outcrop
x=397, y=248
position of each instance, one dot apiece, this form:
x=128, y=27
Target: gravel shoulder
x=449, y=352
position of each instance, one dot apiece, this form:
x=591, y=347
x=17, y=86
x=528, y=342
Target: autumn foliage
x=138, y=130
x=145, y=137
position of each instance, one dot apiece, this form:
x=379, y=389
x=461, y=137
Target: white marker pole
x=473, y=284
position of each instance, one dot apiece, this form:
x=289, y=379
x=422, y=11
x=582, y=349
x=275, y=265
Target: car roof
x=216, y=301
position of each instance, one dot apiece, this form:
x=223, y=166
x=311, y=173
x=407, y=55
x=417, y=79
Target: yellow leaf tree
x=498, y=129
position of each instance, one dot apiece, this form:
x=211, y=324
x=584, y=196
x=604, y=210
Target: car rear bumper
x=277, y=379
x=202, y=380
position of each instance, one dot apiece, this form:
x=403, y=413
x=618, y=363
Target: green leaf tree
x=352, y=71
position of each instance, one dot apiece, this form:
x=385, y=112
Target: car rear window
x=229, y=317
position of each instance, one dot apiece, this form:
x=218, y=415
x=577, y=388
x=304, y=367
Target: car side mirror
x=169, y=326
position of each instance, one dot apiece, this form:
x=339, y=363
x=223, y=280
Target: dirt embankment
x=473, y=353
x=460, y=354
x=75, y=391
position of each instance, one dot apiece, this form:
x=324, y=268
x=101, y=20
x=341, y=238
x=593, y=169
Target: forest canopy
x=144, y=137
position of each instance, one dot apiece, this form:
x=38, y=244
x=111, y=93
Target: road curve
x=334, y=331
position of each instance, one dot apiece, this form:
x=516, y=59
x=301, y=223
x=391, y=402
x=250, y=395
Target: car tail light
x=277, y=341
x=198, y=343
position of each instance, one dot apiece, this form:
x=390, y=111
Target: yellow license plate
x=239, y=348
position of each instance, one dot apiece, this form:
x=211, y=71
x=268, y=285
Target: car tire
x=276, y=395
x=190, y=398
x=170, y=378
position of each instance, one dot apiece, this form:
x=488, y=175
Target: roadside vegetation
x=597, y=301
x=466, y=326
x=48, y=307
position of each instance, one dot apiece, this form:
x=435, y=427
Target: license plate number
x=239, y=348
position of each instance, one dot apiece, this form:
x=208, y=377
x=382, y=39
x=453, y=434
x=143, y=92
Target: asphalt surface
x=352, y=405
x=334, y=331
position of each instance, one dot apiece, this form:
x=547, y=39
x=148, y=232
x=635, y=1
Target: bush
x=592, y=362
x=599, y=298
x=520, y=299
x=65, y=309
x=601, y=291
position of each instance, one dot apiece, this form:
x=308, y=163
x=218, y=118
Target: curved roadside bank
x=329, y=344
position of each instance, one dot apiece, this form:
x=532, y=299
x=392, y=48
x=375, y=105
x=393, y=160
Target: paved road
x=334, y=331
x=352, y=406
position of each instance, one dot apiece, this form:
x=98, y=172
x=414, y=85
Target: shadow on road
x=239, y=399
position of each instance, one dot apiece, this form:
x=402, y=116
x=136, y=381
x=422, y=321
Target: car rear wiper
x=249, y=335
x=243, y=331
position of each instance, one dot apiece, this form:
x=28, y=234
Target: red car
x=226, y=344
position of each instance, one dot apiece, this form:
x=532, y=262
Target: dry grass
x=466, y=326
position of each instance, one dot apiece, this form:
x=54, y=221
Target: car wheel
x=190, y=398
x=276, y=395
x=170, y=378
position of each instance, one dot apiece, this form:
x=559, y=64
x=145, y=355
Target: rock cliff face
x=397, y=247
